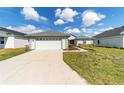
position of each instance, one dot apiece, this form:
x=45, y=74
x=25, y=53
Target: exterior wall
x=20, y=42
x=84, y=42
x=2, y=44
x=116, y=41
x=79, y=42
x=5, y=34
x=72, y=37
x=89, y=41
x=8, y=39
x=64, y=43
x=48, y=43
x=123, y=41
x=32, y=43
x=12, y=40
x=9, y=42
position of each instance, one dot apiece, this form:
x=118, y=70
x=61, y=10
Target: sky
x=86, y=21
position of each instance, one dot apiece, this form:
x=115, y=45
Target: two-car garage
x=48, y=40
x=45, y=44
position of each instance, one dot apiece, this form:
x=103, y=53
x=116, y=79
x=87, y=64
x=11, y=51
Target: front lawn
x=8, y=53
x=99, y=65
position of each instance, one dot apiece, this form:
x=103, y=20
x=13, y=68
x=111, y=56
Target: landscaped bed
x=98, y=65
x=72, y=47
x=8, y=53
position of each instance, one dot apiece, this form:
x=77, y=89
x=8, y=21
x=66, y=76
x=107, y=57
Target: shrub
x=27, y=48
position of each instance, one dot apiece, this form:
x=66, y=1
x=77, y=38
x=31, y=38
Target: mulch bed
x=72, y=48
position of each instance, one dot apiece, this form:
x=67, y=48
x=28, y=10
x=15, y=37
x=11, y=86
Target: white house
x=12, y=39
x=84, y=40
x=42, y=40
x=111, y=38
x=76, y=40
x=48, y=40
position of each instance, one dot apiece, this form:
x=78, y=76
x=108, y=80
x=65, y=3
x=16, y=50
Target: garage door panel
x=48, y=44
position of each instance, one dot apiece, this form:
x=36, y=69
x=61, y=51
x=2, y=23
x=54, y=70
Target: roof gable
x=49, y=33
x=84, y=38
x=12, y=31
x=109, y=33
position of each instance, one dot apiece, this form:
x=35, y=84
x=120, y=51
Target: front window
x=1, y=40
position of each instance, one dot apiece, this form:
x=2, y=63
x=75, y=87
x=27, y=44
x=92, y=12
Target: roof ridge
x=3, y=28
x=109, y=33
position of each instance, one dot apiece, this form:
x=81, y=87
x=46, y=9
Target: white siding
x=9, y=42
x=116, y=41
x=5, y=34
x=20, y=42
x=64, y=43
x=1, y=45
x=72, y=37
x=89, y=41
x=123, y=41
x=79, y=42
x=84, y=42
x=32, y=43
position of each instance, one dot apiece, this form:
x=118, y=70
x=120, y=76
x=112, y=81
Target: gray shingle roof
x=84, y=38
x=49, y=33
x=110, y=33
x=13, y=31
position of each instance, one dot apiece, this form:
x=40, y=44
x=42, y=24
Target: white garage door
x=47, y=44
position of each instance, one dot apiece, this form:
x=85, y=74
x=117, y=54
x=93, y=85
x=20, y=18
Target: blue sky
x=77, y=20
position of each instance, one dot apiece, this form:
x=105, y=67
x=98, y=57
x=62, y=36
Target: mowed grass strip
x=100, y=66
x=8, y=53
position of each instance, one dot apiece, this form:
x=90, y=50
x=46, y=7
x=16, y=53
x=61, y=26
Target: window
x=98, y=42
x=71, y=41
x=8, y=33
x=1, y=40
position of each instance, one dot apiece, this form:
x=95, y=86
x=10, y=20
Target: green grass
x=8, y=53
x=100, y=66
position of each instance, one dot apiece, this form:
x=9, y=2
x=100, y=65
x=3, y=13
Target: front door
x=72, y=42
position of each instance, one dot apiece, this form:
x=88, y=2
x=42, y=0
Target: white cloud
x=72, y=30
x=58, y=12
x=96, y=32
x=26, y=29
x=90, y=17
x=31, y=14
x=104, y=29
x=87, y=30
x=68, y=27
x=92, y=31
x=100, y=24
x=67, y=14
x=59, y=22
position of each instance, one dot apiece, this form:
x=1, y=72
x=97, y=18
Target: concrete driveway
x=38, y=67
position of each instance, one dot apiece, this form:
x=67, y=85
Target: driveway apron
x=38, y=67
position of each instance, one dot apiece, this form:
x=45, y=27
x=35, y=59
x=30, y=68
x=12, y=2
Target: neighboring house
x=76, y=40
x=111, y=38
x=12, y=39
x=84, y=40
x=48, y=40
